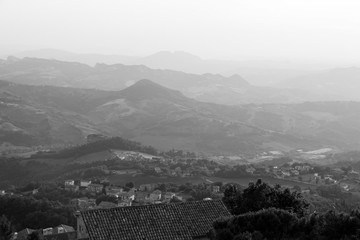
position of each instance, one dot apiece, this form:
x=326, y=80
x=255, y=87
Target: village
x=99, y=195
x=124, y=196
x=95, y=191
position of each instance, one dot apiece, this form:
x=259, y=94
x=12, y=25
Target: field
x=144, y=179
x=243, y=180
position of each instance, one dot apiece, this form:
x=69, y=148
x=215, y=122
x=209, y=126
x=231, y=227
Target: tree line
x=28, y=212
x=103, y=145
x=264, y=212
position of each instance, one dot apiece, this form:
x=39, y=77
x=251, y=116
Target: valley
x=154, y=115
x=162, y=120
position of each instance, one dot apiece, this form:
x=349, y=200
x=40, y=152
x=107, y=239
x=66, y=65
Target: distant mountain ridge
x=85, y=58
x=258, y=72
x=206, y=87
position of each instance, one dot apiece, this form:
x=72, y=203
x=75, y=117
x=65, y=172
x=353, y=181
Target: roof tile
x=178, y=221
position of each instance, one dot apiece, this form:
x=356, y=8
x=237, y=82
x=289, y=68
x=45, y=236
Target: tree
x=162, y=187
x=232, y=198
x=200, y=194
x=5, y=228
x=260, y=195
x=224, y=234
x=175, y=200
x=297, y=188
x=220, y=184
x=265, y=224
x=33, y=213
x=129, y=185
x=36, y=235
x=106, y=198
x=346, y=169
x=274, y=223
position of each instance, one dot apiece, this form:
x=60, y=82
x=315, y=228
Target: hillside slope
x=165, y=118
x=214, y=88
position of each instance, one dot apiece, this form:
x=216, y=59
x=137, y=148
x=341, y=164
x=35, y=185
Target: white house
x=158, y=170
x=69, y=182
x=84, y=183
x=215, y=189
x=96, y=188
x=47, y=231
x=127, y=196
x=114, y=191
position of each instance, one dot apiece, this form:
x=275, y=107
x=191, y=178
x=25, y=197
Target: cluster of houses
x=148, y=194
x=347, y=180
x=167, y=171
x=167, y=167
x=61, y=232
x=288, y=171
x=26, y=193
x=185, y=171
x=145, y=194
x=277, y=171
x=82, y=185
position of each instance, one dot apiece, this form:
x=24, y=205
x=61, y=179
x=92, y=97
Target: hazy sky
x=270, y=29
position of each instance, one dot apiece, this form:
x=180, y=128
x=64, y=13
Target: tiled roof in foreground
x=177, y=221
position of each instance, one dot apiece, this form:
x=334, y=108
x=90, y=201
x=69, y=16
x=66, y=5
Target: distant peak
x=147, y=89
x=236, y=76
x=144, y=82
x=12, y=59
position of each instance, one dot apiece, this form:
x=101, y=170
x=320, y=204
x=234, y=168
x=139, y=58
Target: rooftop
x=178, y=221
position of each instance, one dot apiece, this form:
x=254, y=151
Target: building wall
x=81, y=228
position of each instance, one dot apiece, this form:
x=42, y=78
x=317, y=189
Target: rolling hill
x=164, y=118
x=257, y=72
x=213, y=88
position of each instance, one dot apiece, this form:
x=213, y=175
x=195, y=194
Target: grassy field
x=144, y=179
x=244, y=180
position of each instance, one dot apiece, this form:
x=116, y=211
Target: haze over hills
x=165, y=118
x=172, y=109
x=258, y=72
x=33, y=115
x=206, y=87
x=90, y=58
x=340, y=81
